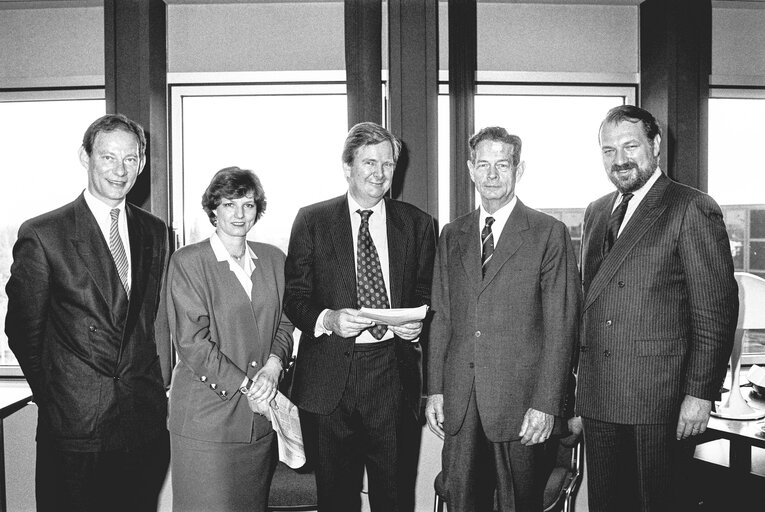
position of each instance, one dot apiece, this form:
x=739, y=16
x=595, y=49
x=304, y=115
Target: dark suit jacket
x=221, y=336
x=510, y=334
x=88, y=354
x=321, y=274
x=659, y=311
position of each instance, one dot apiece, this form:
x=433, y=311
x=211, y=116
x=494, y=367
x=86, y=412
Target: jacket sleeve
x=28, y=292
x=299, y=277
x=561, y=306
x=440, y=327
x=704, y=250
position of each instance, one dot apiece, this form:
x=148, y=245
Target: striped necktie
x=118, y=250
x=487, y=244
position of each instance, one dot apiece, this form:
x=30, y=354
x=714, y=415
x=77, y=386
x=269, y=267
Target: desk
x=11, y=400
x=742, y=434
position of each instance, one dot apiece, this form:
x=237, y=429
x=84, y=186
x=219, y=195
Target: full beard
x=632, y=181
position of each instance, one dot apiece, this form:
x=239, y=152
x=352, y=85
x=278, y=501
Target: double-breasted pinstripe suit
x=659, y=315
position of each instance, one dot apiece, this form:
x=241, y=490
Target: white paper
x=286, y=422
x=395, y=317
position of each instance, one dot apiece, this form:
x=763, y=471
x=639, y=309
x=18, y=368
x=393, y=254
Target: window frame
x=41, y=94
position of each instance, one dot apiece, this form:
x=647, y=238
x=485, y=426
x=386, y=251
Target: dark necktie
x=487, y=244
x=370, y=285
x=118, y=250
x=615, y=222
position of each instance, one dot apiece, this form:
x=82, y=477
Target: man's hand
x=434, y=413
x=408, y=332
x=694, y=416
x=536, y=427
x=575, y=425
x=259, y=407
x=346, y=322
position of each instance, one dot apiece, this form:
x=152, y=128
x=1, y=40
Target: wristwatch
x=244, y=389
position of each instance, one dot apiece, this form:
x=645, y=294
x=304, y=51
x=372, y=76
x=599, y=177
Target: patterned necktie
x=615, y=222
x=487, y=244
x=118, y=250
x=370, y=285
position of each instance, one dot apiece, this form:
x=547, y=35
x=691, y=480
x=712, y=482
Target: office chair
x=292, y=490
x=562, y=484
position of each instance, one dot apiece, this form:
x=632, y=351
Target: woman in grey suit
x=224, y=298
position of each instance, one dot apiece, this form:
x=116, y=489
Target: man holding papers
x=358, y=383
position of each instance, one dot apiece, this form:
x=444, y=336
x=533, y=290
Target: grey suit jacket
x=659, y=311
x=221, y=337
x=321, y=274
x=87, y=352
x=510, y=335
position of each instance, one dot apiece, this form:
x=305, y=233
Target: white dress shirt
x=637, y=197
x=378, y=229
x=102, y=212
x=500, y=219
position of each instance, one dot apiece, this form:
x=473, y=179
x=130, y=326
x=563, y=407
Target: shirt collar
x=378, y=209
x=98, y=207
x=501, y=215
x=222, y=254
x=639, y=194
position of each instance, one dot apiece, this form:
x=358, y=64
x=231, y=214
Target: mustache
x=623, y=167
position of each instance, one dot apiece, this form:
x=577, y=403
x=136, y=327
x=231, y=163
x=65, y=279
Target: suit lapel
x=397, y=244
x=469, y=248
x=342, y=243
x=510, y=241
x=649, y=210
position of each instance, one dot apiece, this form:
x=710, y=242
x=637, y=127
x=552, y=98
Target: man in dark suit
x=82, y=299
x=358, y=385
x=506, y=297
x=659, y=317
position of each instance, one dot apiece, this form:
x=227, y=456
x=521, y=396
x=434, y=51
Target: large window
x=40, y=136
x=737, y=172
x=291, y=136
x=559, y=129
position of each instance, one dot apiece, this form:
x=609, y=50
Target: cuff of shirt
x=320, y=329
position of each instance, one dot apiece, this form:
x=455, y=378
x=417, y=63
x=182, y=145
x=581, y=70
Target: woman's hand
x=265, y=383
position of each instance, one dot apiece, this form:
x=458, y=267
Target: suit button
x=347, y=354
x=116, y=378
x=92, y=328
x=254, y=364
x=203, y=378
x=606, y=353
x=609, y=322
x=213, y=385
x=478, y=334
x=223, y=393
x=471, y=365
x=620, y=284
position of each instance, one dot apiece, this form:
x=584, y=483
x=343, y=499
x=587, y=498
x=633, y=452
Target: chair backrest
x=292, y=490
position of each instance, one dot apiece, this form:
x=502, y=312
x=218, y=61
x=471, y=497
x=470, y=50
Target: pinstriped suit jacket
x=659, y=310
x=321, y=274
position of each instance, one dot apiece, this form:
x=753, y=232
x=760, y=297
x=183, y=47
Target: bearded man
x=659, y=315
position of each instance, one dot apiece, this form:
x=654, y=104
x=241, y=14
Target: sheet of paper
x=286, y=422
x=395, y=316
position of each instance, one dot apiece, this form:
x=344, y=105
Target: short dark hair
x=110, y=123
x=496, y=133
x=633, y=114
x=233, y=183
x=368, y=134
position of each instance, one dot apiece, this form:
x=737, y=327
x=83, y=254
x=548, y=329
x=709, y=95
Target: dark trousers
x=637, y=467
x=474, y=466
x=364, y=431
x=127, y=480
